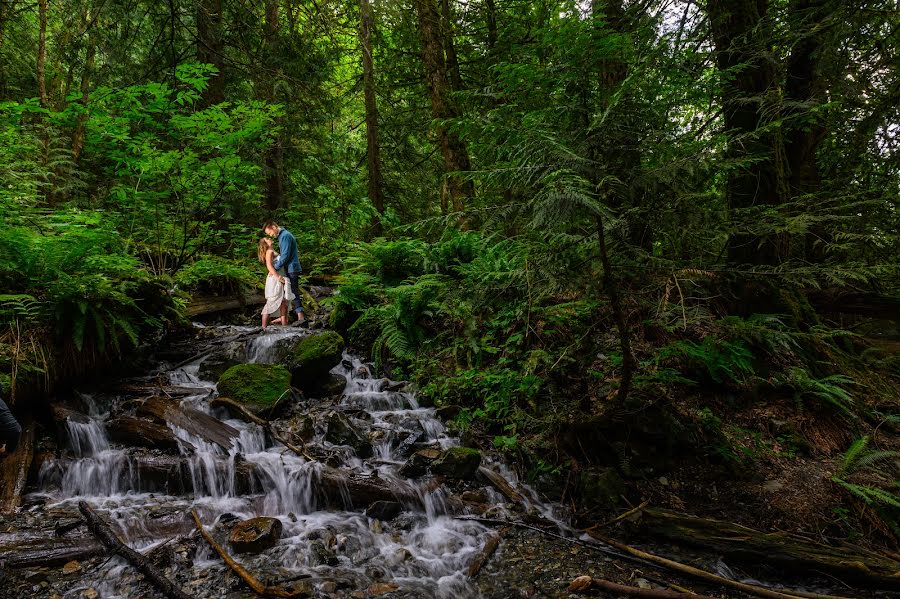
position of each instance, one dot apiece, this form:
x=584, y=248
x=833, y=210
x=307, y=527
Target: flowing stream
x=423, y=551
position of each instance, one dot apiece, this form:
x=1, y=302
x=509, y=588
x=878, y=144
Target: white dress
x=276, y=291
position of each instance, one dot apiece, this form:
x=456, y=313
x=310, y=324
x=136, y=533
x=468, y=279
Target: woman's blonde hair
x=262, y=247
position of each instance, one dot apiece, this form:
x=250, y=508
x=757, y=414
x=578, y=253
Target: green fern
x=829, y=389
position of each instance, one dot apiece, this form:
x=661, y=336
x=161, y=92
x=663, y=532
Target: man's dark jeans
x=295, y=287
x=10, y=431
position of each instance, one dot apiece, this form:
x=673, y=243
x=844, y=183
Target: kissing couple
x=279, y=293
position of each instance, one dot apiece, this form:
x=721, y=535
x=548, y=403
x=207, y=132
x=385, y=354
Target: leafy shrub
x=212, y=274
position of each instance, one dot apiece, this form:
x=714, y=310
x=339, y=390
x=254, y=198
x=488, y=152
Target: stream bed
x=356, y=520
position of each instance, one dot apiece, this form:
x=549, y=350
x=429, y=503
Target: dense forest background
x=637, y=235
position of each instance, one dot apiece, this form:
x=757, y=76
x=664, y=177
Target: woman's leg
x=265, y=320
x=284, y=312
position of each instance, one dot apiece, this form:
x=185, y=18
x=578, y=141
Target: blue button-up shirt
x=287, y=246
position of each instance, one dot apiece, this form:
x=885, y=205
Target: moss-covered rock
x=458, y=462
x=601, y=487
x=256, y=386
x=312, y=357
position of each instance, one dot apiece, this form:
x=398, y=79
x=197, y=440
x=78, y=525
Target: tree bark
x=491, y=19
x=803, y=92
x=209, y=49
x=373, y=150
x=453, y=149
x=449, y=48
x=274, y=156
x=92, y=23
x=14, y=471
x=741, y=52
x=42, y=53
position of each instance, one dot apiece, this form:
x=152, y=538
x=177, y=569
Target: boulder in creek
x=339, y=430
x=255, y=535
x=419, y=462
x=215, y=365
x=330, y=385
x=601, y=487
x=312, y=357
x=384, y=510
x=457, y=462
x=257, y=387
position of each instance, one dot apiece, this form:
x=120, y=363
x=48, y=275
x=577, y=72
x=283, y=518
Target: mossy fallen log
x=193, y=421
x=781, y=549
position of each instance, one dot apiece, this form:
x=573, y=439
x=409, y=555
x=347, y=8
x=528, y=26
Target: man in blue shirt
x=287, y=258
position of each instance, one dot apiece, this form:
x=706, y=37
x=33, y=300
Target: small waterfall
x=427, y=556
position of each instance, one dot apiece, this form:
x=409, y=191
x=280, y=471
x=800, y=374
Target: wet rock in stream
x=255, y=535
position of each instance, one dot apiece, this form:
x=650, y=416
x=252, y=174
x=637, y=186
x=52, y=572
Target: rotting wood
x=586, y=583
x=48, y=552
x=254, y=583
x=111, y=540
x=200, y=305
x=501, y=484
x=14, y=470
x=781, y=549
x=490, y=547
x=193, y=421
x=704, y=575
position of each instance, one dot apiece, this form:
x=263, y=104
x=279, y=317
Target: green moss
x=315, y=347
x=256, y=385
x=313, y=357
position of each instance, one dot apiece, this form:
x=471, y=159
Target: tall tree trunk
x=92, y=23
x=453, y=149
x=42, y=53
x=5, y=11
x=449, y=49
x=373, y=151
x=741, y=52
x=803, y=91
x=491, y=19
x=274, y=156
x=614, y=153
x=210, y=48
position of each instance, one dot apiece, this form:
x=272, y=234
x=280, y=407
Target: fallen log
x=111, y=540
x=501, y=484
x=781, y=549
x=200, y=305
x=585, y=583
x=47, y=552
x=193, y=421
x=707, y=576
x=14, y=471
x=486, y=552
x=131, y=430
x=254, y=583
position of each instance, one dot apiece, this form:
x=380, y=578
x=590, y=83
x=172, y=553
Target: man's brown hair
x=269, y=223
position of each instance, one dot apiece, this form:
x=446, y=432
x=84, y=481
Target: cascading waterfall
x=427, y=556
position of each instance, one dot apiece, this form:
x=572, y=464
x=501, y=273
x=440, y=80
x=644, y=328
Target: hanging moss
x=255, y=385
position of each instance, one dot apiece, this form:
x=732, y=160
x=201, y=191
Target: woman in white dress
x=278, y=295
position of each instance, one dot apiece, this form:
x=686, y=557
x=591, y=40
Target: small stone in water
x=90, y=593
x=329, y=586
x=382, y=588
x=71, y=567
x=643, y=583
